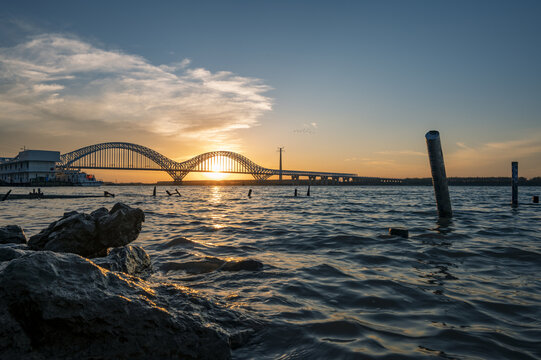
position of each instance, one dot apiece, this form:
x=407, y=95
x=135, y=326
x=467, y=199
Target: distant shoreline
x=453, y=181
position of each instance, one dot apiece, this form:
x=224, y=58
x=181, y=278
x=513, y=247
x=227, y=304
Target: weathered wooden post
x=439, y=179
x=514, y=185
x=250, y=193
x=9, y=192
x=535, y=199
x=154, y=192
x=308, y=192
x=295, y=192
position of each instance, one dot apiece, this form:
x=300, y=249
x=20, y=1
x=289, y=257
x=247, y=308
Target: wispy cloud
x=307, y=129
x=62, y=81
x=494, y=157
x=499, y=150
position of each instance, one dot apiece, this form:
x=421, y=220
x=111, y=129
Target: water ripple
x=326, y=278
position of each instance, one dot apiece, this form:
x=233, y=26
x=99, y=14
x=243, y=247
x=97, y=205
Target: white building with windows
x=29, y=166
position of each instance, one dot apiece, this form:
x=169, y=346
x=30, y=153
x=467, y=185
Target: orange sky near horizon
x=411, y=164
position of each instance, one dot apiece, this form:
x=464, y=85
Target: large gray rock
x=120, y=226
x=12, y=251
x=12, y=234
x=129, y=259
x=90, y=235
x=62, y=306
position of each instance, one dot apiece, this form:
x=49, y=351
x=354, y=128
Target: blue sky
x=345, y=86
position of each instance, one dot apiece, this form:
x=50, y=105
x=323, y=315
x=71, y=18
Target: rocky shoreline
x=77, y=290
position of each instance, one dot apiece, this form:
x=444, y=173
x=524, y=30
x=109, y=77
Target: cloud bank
x=62, y=82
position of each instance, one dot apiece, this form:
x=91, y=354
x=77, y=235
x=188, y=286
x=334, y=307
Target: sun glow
x=216, y=171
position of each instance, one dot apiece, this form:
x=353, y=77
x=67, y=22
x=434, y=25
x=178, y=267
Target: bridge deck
x=127, y=156
x=274, y=171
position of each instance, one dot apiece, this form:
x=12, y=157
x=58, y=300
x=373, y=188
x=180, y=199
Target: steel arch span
x=127, y=156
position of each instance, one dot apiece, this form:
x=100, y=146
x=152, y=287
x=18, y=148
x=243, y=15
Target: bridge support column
x=178, y=176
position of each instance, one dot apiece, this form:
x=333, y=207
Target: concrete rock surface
x=128, y=259
x=63, y=306
x=12, y=234
x=90, y=235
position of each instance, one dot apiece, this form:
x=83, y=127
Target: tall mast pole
x=280, y=173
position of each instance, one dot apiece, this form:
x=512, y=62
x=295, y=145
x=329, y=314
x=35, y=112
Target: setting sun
x=216, y=172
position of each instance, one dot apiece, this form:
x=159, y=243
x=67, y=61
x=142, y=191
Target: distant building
x=29, y=166
x=77, y=178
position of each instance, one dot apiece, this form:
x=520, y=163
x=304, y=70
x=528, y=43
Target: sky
x=346, y=86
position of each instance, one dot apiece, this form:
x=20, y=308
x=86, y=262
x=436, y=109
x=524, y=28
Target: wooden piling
x=250, y=193
x=514, y=184
x=535, y=199
x=6, y=196
x=439, y=178
x=295, y=192
x=154, y=192
x=308, y=192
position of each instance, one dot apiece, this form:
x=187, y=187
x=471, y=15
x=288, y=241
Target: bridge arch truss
x=128, y=156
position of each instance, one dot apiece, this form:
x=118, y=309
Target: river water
x=334, y=284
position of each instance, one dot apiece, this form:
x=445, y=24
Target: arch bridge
x=127, y=156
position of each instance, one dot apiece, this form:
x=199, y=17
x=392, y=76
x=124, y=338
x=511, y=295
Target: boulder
x=12, y=251
x=64, y=306
x=121, y=226
x=129, y=259
x=73, y=233
x=12, y=234
x=90, y=235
